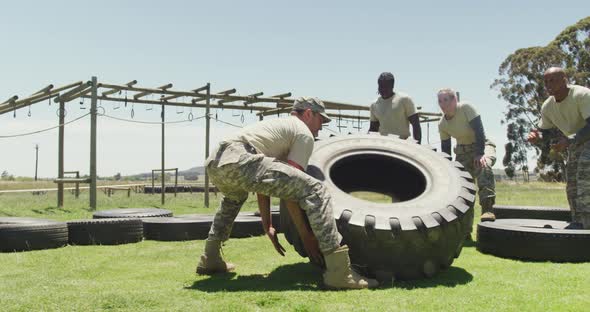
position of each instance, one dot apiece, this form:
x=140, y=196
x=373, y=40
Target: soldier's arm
x=264, y=208
x=416, y=129
x=480, y=136
x=583, y=135
x=445, y=147
x=373, y=126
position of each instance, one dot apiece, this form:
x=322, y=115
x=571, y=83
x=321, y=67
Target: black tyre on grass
x=177, y=229
x=533, y=239
x=246, y=224
x=417, y=235
x=532, y=212
x=108, y=231
x=132, y=213
x=22, y=234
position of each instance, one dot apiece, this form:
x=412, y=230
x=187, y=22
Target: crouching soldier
x=269, y=158
x=462, y=122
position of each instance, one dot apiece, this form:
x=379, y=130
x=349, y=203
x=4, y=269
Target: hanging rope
x=150, y=122
x=229, y=124
x=43, y=130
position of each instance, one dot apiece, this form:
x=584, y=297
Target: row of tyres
x=118, y=226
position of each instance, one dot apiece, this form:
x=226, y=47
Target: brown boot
x=211, y=261
x=488, y=216
x=339, y=274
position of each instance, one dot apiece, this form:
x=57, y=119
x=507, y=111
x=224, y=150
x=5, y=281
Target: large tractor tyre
x=22, y=234
x=177, y=229
x=532, y=212
x=533, y=239
x=108, y=231
x=421, y=231
x=132, y=213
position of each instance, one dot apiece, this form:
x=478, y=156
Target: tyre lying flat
x=414, y=237
x=532, y=212
x=108, y=231
x=132, y=213
x=22, y=234
x=533, y=239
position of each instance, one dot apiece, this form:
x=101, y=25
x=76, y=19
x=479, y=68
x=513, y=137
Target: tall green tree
x=520, y=84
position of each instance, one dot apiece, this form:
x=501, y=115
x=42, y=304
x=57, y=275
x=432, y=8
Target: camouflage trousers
x=236, y=169
x=484, y=177
x=578, y=183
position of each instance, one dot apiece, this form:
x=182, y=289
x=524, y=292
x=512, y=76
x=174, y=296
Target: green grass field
x=159, y=276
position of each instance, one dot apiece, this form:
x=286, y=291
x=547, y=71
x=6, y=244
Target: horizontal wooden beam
x=430, y=114
x=66, y=97
x=282, y=95
x=72, y=180
x=203, y=88
x=115, y=90
x=12, y=99
x=430, y=120
x=161, y=88
x=226, y=92
x=44, y=90
x=171, y=103
x=5, y=108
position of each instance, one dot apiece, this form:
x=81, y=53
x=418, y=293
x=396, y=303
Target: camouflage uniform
x=578, y=183
x=486, y=183
x=236, y=169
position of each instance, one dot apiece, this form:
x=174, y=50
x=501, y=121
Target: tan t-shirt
x=282, y=138
x=458, y=127
x=569, y=115
x=392, y=114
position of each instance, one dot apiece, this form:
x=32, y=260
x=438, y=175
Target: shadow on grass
x=298, y=276
x=304, y=276
x=452, y=277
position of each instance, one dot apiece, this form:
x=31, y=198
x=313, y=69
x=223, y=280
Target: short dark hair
x=386, y=76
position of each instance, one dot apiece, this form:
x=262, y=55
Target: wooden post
x=153, y=184
x=163, y=158
x=176, y=182
x=77, y=184
x=207, y=131
x=36, y=160
x=93, y=122
x=60, y=155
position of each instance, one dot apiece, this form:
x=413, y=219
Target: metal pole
x=153, y=183
x=163, y=158
x=60, y=155
x=36, y=160
x=93, y=126
x=207, y=131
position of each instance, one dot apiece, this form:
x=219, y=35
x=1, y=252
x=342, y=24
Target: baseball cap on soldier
x=313, y=103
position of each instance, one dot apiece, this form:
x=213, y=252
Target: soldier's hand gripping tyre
x=414, y=237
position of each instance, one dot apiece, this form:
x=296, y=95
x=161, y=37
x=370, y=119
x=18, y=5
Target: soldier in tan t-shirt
x=462, y=122
x=393, y=112
x=568, y=109
x=269, y=158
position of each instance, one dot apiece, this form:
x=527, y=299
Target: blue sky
x=331, y=49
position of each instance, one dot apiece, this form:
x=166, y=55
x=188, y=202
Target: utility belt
x=464, y=148
x=469, y=148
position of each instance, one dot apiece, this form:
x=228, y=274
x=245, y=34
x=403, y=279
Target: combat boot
x=339, y=274
x=211, y=261
x=487, y=211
